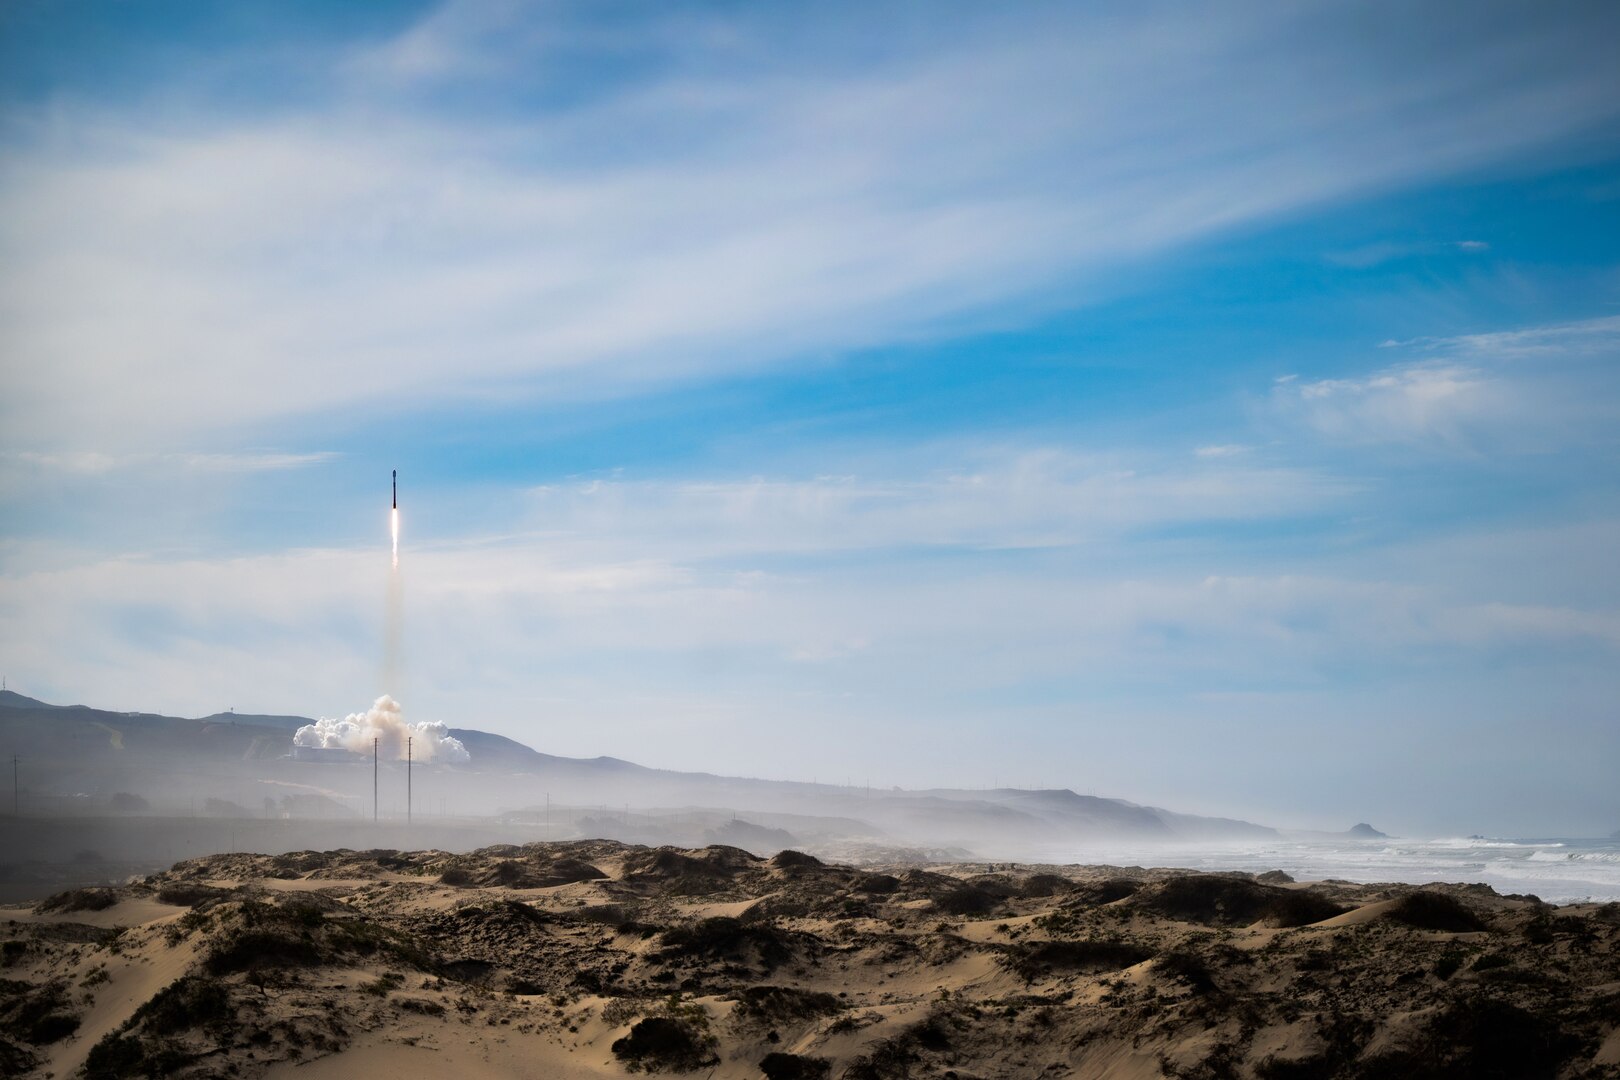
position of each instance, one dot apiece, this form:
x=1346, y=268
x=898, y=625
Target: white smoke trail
x=393, y=631
x=385, y=723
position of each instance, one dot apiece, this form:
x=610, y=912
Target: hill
x=77, y=758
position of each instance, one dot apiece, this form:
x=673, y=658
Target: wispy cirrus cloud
x=1011, y=498
x=1371, y=255
x=699, y=208
x=1583, y=339
x=94, y=463
x=528, y=617
x=1432, y=401
x=1528, y=389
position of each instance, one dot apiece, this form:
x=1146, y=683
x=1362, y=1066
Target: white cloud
x=1383, y=251
x=230, y=272
x=91, y=462
x=1008, y=499
x=1428, y=401
x=1530, y=389
x=484, y=624
x=1584, y=339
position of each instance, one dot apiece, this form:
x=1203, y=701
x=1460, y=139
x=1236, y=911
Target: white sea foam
x=1558, y=871
x=1575, y=856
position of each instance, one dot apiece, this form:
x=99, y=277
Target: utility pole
x=408, y=741
x=373, y=781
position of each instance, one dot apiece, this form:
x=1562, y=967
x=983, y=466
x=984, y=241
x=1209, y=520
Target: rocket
x=396, y=489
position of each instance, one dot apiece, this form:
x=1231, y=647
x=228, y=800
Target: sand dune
x=595, y=958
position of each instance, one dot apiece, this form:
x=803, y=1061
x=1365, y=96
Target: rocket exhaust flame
x=393, y=518
x=395, y=616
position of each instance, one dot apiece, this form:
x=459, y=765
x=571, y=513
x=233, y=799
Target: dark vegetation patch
x=731, y=859
x=777, y=1004
x=467, y=970
x=523, y=872
x=1222, y=900
x=779, y=1066
x=63, y=933
x=193, y=1001
x=1478, y=1039
x=1107, y=891
x=668, y=864
x=295, y=864
x=804, y=903
x=894, y=1057
x=1038, y=959
x=1310, y=1068
x=1435, y=911
x=966, y=900
x=1040, y=886
x=1519, y=976
x=457, y=876
x=383, y=985
x=666, y=1042
x=39, y=1014
x=925, y=885
x=726, y=938
x=1189, y=969
x=305, y=933
x=15, y=1060
x=571, y=871
x=788, y=857
x=1298, y=907
x=999, y=886
x=190, y=894
x=1539, y=929
x=888, y=1059
x=501, y=913
x=596, y=914
x=261, y=949
x=1448, y=964
x=877, y=884
x=421, y=1006
x=119, y=1056
x=671, y=872
x=88, y=899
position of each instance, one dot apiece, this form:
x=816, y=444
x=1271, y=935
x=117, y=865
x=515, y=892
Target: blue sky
x=1213, y=409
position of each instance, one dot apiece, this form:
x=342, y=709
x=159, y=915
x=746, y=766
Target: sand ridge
x=595, y=958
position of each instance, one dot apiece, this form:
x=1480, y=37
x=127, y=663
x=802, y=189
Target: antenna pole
x=16, y=798
x=373, y=781
x=408, y=742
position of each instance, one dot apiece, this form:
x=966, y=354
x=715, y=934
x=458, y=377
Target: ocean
x=1559, y=870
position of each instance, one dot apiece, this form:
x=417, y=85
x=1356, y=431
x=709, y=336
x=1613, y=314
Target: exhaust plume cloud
x=385, y=722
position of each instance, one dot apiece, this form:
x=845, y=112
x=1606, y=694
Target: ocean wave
x=1576, y=856
x=1578, y=871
